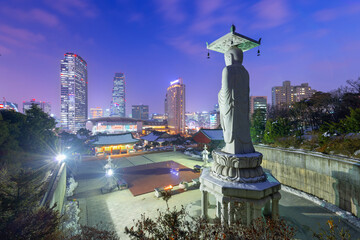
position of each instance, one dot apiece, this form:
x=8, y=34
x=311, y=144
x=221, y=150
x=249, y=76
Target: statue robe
x=234, y=109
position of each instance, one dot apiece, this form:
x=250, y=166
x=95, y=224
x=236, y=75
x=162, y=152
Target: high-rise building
x=284, y=96
x=96, y=112
x=45, y=106
x=118, y=96
x=106, y=112
x=140, y=112
x=4, y=105
x=74, y=92
x=257, y=102
x=175, y=106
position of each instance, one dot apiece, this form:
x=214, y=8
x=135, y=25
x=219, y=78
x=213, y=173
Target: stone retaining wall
x=57, y=188
x=332, y=178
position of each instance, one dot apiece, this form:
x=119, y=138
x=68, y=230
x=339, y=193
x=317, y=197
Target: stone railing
x=332, y=178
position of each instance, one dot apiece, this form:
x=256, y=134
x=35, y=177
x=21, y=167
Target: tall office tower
x=140, y=112
x=165, y=107
x=257, y=102
x=74, y=92
x=175, y=106
x=45, y=106
x=284, y=96
x=118, y=96
x=96, y=112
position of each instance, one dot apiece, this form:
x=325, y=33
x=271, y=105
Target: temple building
x=115, y=144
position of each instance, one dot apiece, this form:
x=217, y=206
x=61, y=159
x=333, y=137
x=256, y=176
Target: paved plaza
x=118, y=209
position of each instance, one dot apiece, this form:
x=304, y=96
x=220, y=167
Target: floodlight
x=109, y=172
x=60, y=157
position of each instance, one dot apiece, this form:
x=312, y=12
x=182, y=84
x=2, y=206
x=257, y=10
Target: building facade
x=286, y=95
x=175, y=106
x=96, y=112
x=158, y=117
x=9, y=106
x=45, y=106
x=118, y=96
x=257, y=102
x=74, y=92
x=140, y=112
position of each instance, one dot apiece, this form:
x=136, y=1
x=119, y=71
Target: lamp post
x=60, y=158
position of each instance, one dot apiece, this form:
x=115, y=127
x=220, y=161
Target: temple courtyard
x=119, y=208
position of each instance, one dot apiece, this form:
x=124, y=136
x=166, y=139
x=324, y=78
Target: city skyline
x=156, y=42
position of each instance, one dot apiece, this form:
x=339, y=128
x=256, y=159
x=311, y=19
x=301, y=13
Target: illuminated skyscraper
x=175, y=106
x=140, y=112
x=118, y=96
x=74, y=92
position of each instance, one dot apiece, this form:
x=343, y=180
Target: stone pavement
x=118, y=209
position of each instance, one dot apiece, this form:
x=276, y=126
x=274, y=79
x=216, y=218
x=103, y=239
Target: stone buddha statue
x=234, y=104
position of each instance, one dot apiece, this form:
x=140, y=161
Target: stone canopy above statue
x=233, y=39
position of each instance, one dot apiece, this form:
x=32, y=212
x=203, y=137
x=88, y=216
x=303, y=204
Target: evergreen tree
x=258, y=123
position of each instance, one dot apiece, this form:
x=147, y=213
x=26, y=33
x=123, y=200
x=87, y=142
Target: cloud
x=288, y=48
x=4, y=50
x=33, y=15
x=206, y=7
x=330, y=14
x=19, y=37
x=74, y=7
x=210, y=14
x=21, y=34
x=136, y=17
x=171, y=10
x=326, y=15
x=44, y=17
x=352, y=46
x=205, y=26
x=270, y=14
x=186, y=45
x=320, y=33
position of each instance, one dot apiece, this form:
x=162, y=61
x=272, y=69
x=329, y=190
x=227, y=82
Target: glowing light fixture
x=60, y=157
x=173, y=82
x=109, y=172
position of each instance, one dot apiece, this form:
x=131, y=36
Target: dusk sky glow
x=154, y=42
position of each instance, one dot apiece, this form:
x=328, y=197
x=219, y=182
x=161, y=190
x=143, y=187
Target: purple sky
x=154, y=42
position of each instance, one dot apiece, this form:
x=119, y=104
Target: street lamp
x=60, y=157
x=109, y=172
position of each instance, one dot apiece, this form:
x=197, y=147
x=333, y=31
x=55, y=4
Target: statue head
x=233, y=55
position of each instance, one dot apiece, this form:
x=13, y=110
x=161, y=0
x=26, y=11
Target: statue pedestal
x=252, y=197
x=238, y=167
x=241, y=188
